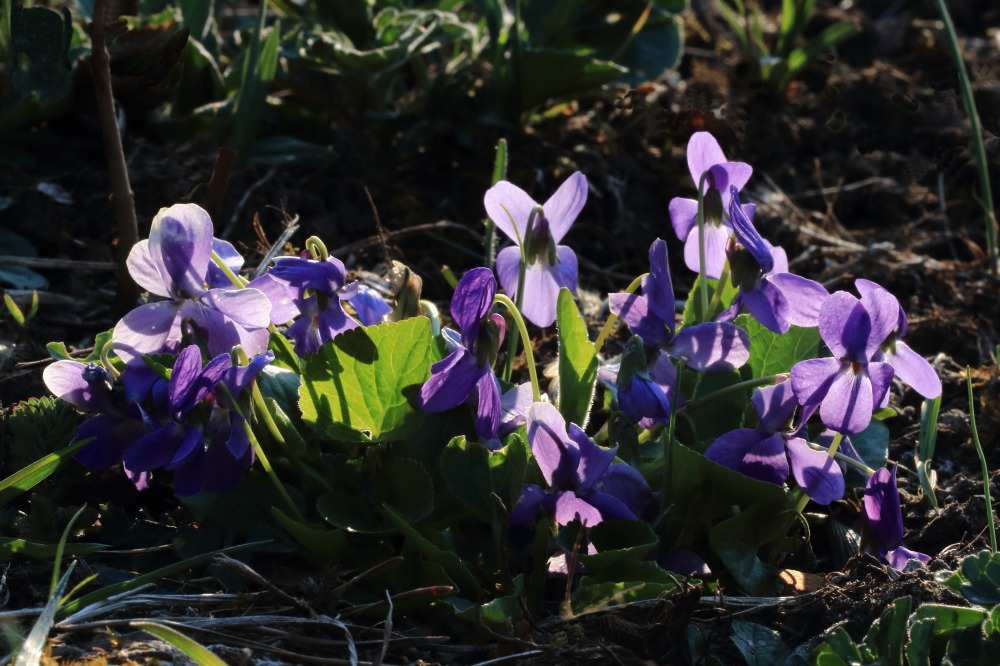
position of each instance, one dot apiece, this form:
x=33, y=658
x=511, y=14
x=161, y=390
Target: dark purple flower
x=174, y=263
x=645, y=393
x=764, y=453
x=851, y=385
x=883, y=514
x=582, y=483
x=909, y=366
x=468, y=369
x=708, y=347
x=550, y=266
x=704, y=154
x=318, y=288
x=203, y=440
x=773, y=296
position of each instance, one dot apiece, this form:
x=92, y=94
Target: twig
x=61, y=264
x=241, y=204
x=432, y=226
x=122, y=199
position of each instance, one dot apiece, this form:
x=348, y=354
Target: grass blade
x=30, y=653
x=118, y=588
x=190, y=647
x=28, y=477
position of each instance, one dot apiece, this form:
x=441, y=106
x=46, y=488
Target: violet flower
x=774, y=448
x=883, y=513
x=114, y=428
x=707, y=347
x=549, y=266
x=206, y=449
x=369, y=305
x=468, y=369
x=318, y=288
x=582, y=483
x=773, y=296
x=704, y=154
x=908, y=365
x=851, y=385
x=174, y=263
x=646, y=391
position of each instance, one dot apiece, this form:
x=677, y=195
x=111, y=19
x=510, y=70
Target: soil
x=862, y=168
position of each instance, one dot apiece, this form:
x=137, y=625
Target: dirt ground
x=862, y=168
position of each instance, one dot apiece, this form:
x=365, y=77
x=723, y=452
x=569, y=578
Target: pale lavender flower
x=174, y=263
x=549, y=266
x=704, y=154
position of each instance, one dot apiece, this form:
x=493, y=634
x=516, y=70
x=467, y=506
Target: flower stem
x=977, y=137
x=734, y=388
x=840, y=457
x=515, y=312
x=237, y=281
x=613, y=318
x=702, y=278
x=717, y=295
x=522, y=269
x=982, y=462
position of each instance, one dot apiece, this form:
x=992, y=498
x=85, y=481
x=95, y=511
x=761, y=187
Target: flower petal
x=370, y=306
x=527, y=505
x=775, y=405
x=805, y=298
x=882, y=508
x=628, y=485
x=451, y=382
x=768, y=306
x=816, y=472
x=683, y=216
x=751, y=453
x=156, y=448
x=657, y=287
x=900, y=557
x=65, y=379
x=844, y=325
x=542, y=282
x=849, y=404
x=594, y=460
x=563, y=207
x=711, y=347
x=634, y=311
x=488, y=411
x=608, y=506
x=569, y=507
x=180, y=242
x=472, y=301
x=556, y=455
x=915, y=371
x=509, y=207
x=111, y=434
x=144, y=270
x=811, y=379
x=247, y=307
x=146, y=330
x=514, y=405
x=716, y=239
x=230, y=257
x=703, y=152
x=746, y=234
x=884, y=311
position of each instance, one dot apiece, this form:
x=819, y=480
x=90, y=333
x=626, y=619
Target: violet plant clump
x=376, y=426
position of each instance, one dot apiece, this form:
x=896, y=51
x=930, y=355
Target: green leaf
x=498, y=614
x=759, y=645
x=323, y=545
x=598, y=596
x=362, y=386
x=992, y=624
x=465, y=467
x=30, y=652
x=949, y=619
x=772, y=353
x=837, y=649
x=697, y=481
x=982, y=571
x=738, y=543
x=551, y=73
x=356, y=504
x=618, y=542
x=508, y=467
x=447, y=559
x=10, y=546
x=577, y=362
x=872, y=444
x=918, y=644
x=888, y=635
x=28, y=477
x=190, y=647
x=692, y=308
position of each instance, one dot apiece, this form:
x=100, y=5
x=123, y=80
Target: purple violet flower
x=645, y=392
x=468, y=369
x=773, y=296
x=206, y=449
x=764, y=453
x=707, y=347
x=370, y=306
x=704, y=154
x=550, y=266
x=318, y=288
x=884, y=515
x=174, y=263
x=582, y=483
x=851, y=385
x=909, y=366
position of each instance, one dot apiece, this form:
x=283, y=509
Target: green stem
x=669, y=442
x=702, y=279
x=734, y=388
x=259, y=450
x=717, y=295
x=504, y=300
x=840, y=457
x=237, y=281
x=522, y=269
x=977, y=136
x=613, y=318
x=982, y=461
